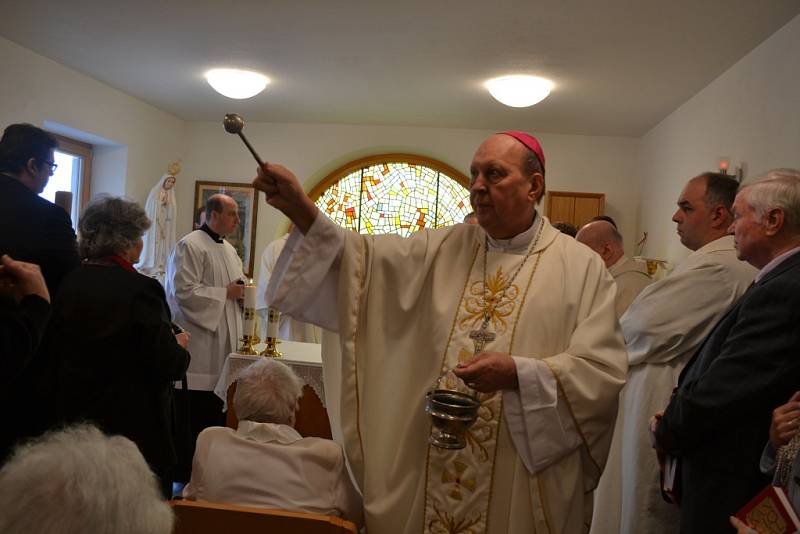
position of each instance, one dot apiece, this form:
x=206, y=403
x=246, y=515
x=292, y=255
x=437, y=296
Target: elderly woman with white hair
x=265, y=462
x=112, y=355
x=77, y=481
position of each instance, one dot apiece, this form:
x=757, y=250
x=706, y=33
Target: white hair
x=78, y=480
x=779, y=188
x=267, y=392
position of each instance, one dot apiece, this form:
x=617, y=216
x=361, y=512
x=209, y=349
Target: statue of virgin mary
x=160, y=237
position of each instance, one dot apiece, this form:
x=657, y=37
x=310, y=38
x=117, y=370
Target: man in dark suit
x=719, y=416
x=34, y=229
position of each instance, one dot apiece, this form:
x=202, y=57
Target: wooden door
x=574, y=208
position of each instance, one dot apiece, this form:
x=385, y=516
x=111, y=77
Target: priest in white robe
x=204, y=285
x=406, y=310
x=288, y=329
x=630, y=275
x=663, y=328
x=203, y=295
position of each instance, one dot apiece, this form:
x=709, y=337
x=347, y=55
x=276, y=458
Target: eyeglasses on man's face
x=52, y=164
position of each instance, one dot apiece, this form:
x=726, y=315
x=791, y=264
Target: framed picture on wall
x=243, y=238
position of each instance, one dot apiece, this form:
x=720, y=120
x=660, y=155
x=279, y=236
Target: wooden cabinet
x=574, y=208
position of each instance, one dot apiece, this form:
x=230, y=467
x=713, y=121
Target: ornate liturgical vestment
x=404, y=310
x=459, y=482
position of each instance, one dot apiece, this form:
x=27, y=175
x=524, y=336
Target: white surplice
x=288, y=329
x=394, y=302
x=198, y=273
x=663, y=328
x=631, y=278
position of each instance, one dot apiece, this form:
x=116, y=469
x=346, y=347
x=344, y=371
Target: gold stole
x=458, y=482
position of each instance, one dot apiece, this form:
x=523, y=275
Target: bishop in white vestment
x=406, y=310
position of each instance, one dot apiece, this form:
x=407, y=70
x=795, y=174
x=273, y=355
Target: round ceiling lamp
x=519, y=91
x=235, y=83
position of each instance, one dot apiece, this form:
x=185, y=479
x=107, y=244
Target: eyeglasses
x=52, y=164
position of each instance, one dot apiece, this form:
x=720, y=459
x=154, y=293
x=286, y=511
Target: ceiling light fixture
x=235, y=83
x=519, y=91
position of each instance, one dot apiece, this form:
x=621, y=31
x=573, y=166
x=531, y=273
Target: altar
x=306, y=361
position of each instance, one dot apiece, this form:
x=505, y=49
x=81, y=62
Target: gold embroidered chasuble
x=406, y=307
x=458, y=482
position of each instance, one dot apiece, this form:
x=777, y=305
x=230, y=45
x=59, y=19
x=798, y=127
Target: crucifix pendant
x=482, y=336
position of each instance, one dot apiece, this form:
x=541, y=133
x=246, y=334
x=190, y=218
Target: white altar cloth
x=305, y=359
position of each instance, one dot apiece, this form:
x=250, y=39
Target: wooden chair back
x=199, y=517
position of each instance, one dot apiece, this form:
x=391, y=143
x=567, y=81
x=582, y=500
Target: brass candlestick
x=247, y=346
x=273, y=318
x=271, y=350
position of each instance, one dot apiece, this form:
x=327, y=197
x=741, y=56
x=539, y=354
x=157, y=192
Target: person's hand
x=488, y=372
x=182, y=339
x=653, y=425
x=18, y=279
x=785, y=421
x=740, y=526
x=235, y=291
x=284, y=192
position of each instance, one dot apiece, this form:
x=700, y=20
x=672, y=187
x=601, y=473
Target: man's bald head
x=222, y=213
x=603, y=238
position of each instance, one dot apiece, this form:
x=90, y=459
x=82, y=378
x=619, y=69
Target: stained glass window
x=394, y=197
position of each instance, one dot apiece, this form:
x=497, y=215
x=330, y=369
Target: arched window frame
x=365, y=162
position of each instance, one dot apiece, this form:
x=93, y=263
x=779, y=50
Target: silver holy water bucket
x=452, y=413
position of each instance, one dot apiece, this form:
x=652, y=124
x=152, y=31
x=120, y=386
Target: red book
x=770, y=512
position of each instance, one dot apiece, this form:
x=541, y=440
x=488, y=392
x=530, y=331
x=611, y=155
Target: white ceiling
x=620, y=66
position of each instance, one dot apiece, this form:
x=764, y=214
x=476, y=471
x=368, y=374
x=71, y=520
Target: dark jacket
x=718, y=418
x=111, y=358
x=37, y=231
x=21, y=327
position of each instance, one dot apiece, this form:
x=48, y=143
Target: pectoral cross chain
x=481, y=337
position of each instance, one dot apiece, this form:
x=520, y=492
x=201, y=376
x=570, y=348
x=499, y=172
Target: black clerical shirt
x=215, y=236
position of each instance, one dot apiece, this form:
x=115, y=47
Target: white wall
x=574, y=163
x=142, y=140
x=751, y=113
x=137, y=141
